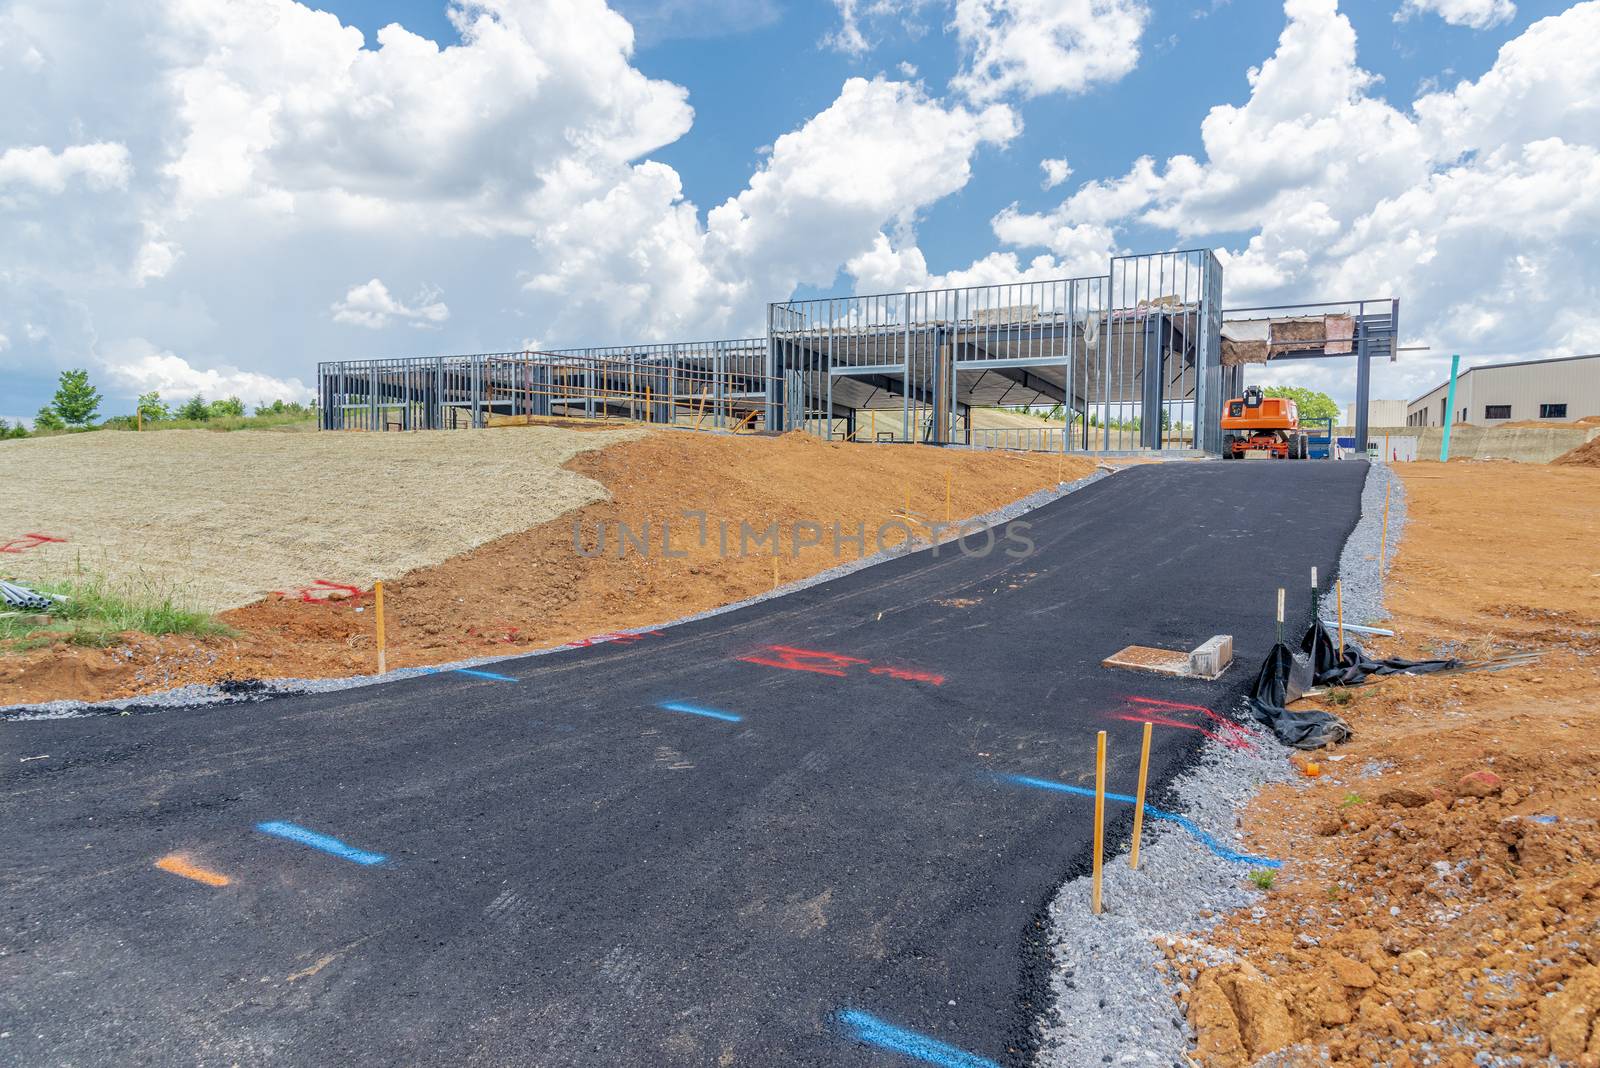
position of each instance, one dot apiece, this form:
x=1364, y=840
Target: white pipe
x=1362, y=630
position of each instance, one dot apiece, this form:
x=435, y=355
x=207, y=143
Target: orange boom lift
x=1258, y=423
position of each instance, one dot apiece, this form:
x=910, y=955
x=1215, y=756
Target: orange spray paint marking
x=178, y=866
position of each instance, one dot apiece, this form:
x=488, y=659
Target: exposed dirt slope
x=1585, y=455
x=1443, y=899
x=532, y=589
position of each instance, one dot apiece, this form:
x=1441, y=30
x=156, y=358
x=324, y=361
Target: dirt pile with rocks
x=1585, y=455
x=1442, y=897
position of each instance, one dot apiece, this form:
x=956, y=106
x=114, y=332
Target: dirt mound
x=533, y=589
x=1443, y=881
x=1585, y=455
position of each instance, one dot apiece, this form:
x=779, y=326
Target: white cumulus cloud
x=101, y=165
x=137, y=366
x=1478, y=14
x=1035, y=47
x=371, y=305
x=1056, y=171
x=1478, y=205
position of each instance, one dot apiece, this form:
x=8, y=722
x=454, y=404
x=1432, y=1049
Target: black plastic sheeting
x=1286, y=675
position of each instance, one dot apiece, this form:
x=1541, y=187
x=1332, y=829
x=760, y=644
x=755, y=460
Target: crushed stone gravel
x=1112, y=1005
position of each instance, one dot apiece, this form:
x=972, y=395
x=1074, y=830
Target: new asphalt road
x=785, y=835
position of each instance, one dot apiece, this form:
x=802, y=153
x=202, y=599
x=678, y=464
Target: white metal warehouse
x=1557, y=390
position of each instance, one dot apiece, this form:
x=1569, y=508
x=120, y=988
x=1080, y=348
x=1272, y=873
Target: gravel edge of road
x=1111, y=1005
x=203, y=695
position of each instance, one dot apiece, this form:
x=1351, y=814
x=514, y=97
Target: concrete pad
x=1207, y=661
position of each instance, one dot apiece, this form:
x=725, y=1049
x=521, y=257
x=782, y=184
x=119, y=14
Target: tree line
x=76, y=406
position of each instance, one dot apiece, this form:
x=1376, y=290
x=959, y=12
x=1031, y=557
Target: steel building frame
x=1107, y=348
x=716, y=384
x=1133, y=358
x=1376, y=335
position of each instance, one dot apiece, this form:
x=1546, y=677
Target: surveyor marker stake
x=1138, y=807
x=1099, y=813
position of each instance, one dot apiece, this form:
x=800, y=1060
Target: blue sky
x=251, y=189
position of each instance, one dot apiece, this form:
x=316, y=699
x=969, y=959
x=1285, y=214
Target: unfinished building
x=1132, y=360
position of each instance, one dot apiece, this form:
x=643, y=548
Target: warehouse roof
x=1512, y=363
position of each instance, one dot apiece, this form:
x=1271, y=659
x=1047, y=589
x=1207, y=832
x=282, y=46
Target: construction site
x=812, y=699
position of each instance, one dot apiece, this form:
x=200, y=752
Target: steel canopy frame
x=1376, y=334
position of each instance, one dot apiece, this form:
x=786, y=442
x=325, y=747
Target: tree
x=47, y=419
x=76, y=402
x=1311, y=403
x=229, y=408
x=151, y=408
x=9, y=431
x=195, y=409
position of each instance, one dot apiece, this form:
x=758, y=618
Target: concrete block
x=1212, y=657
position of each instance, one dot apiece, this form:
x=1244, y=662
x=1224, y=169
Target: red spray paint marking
x=626, y=638
x=792, y=659
x=1226, y=739
x=835, y=665
x=327, y=589
x=909, y=674
x=29, y=541
x=1235, y=735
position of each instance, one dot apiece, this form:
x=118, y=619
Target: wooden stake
x=1138, y=807
x=774, y=572
x=377, y=603
x=1280, y=613
x=1099, y=812
x=947, y=496
x=1383, y=542
x=1338, y=601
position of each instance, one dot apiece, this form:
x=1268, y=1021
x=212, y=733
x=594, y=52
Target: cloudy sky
x=213, y=195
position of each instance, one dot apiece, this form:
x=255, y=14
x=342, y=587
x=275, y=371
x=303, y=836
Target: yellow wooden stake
x=1099, y=813
x=377, y=604
x=1138, y=807
x=1338, y=601
x=1383, y=542
x=774, y=572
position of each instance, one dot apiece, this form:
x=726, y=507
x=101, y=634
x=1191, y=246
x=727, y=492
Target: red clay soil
x=1444, y=880
x=1585, y=455
x=533, y=590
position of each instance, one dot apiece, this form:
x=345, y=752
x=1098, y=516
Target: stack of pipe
x=21, y=597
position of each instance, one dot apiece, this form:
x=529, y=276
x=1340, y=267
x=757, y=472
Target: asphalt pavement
x=792, y=834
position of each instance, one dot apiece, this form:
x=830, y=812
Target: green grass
x=1263, y=878
x=277, y=421
x=95, y=611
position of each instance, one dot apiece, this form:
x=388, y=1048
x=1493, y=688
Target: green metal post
x=1449, y=409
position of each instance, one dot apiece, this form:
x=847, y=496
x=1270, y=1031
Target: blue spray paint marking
x=485, y=674
x=295, y=833
x=696, y=710
x=1154, y=813
x=864, y=1027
